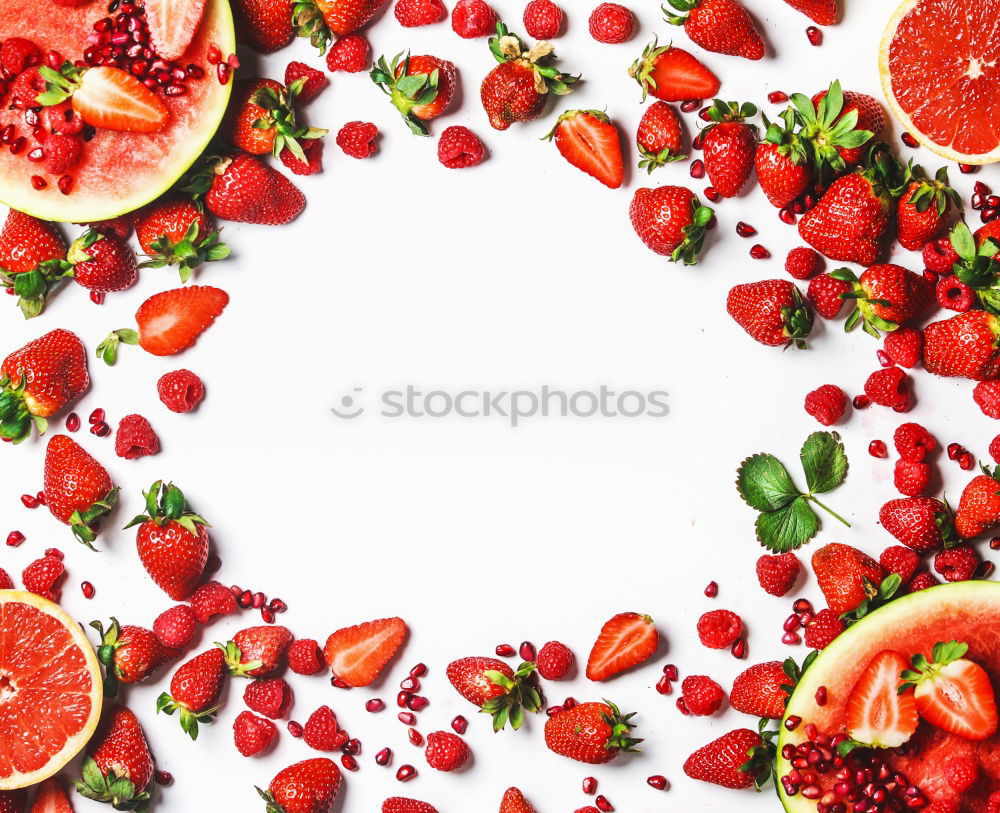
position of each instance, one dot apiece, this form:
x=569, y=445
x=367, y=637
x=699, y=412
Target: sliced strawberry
x=878, y=713
x=953, y=693
x=173, y=24
x=625, y=641
x=589, y=141
x=115, y=100
x=51, y=798
x=172, y=321
x=358, y=654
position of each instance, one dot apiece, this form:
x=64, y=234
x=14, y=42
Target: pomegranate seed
x=758, y=252
x=777, y=97
x=909, y=140
x=993, y=201
x=403, y=699
x=663, y=685
x=877, y=448
x=712, y=193
x=793, y=722
x=38, y=183
x=163, y=778
x=267, y=615
x=861, y=402
x=968, y=169
x=995, y=543
x=698, y=141
x=671, y=671
x=590, y=785
x=712, y=589
x=603, y=804
x=658, y=782
x=28, y=501
x=704, y=113
x=349, y=762
x=419, y=670
x=277, y=605
x=416, y=738
x=977, y=201
x=526, y=651
x=791, y=623
x=212, y=564
x=245, y=599
x=214, y=55
x=97, y=297
x=569, y=703
x=967, y=461
x=690, y=105
x=97, y=416
x=418, y=703
x=504, y=651
x=883, y=358
x=102, y=430
x=791, y=639
x=787, y=216
x=814, y=35
x=338, y=683
x=36, y=155
x=374, y=705
x=14, y=538
x=236, y=590
x=65, y=184
x=406, y=773
x=294, y=728
x=682, y=707
x=258, y=600
x=739, y=648
x=745, y=229
x=407, y=718
x=55, y=553
x=985, y=570
x=989, y=215
x=459, y=724
x=88, y=589
x=409, y=684
x=18, y=146
x=7, y=134
x=72, y=422
x=698, y=169
x=222, y=72
x=798, y=207
x=955, y=451
x=383, y=757
x=552, y=711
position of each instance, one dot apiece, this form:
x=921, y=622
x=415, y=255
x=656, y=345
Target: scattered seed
x=459, y=724
x=383, y=757
x=88, y=589
x=777, y=97
x=712, y=589
x=758, y=252
x=745, y=229
x=415, y=737
x=657, y=782
x=505, y=651
x=697, y=168
x=407, y=718
x=590, y=785
x=877, y=448
x=294, y=728
x=374, y=705
x=406, y=773
x=814, y=35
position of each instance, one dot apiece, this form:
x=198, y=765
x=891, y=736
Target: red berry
x=321, y=731
x=922, y=581
x=44, y=577
x=995, y=449
x=824, y=627
x=446, y=751
x=314, y=81
x=357, y=139
x=211, y=599
x=176, y=627
x=611, y=23
x=911, y=479
x=473, y=18
x=271, y=697
x=900, y=560
x=349, y=54
x=304, y=657
x=777, y=573
x=702, y=695
x=824, y=294
x=542, y=19
x=459, y=148
x=889, y=388
x=414, y=13
x=987, y=397
x=913, y=442
x=555, y=660
x=135, y=438
x=826, y=404
x=904, y=346
x=940, y=256
x=719, y=629
x=957, y=564
x=253, y=735
x=954, y=294
x=180, y=391
x=803, y=263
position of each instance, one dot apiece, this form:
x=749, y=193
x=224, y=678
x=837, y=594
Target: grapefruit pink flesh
x=940, y=68
x=50, y=689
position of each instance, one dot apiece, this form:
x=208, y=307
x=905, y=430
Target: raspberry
x=719, y=629
x=911, y=479
x=922, y=581
x=913, y=442
x=803, y=262
x=961, y=773
x=987, y=398
x=939, y=255
x=459, y=148
x=611, y=24
x=995, y=449
x=957, y=564
x=252, y=734
x=349, y=54
x=314, y=81
x=702, y=695
x=304, y=657
x=176, y=627
x=211, y=599
x=135, y=438
x=272, y=697
x=826, y=404
x=993, y=803
x=357, y=139
x=824, y=294
x=777, y=574
x=16, y=54
x=28, y=85
x=904, y=346
x=954, y=294
x=446, y=751
x=43, y=577
x=473, y=18
x=555, y=660
x=180, y=391
x=313, y=150
x=542, y=19
x=825, y=626
x=413, y=13
x=62, y=153
x=900, y=560
x=321, y=730
x=889, y=388
x=6, y=583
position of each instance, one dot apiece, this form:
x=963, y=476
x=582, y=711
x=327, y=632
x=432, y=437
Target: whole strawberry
x=513, y=801
x=40, y=380
x=923, y=207
x=264, y=25
x=420, y=87
x=671, y=221
x=321, y=20
x=846, y=576
x=176, y=231
x=593, y=733
x=516, y=90
x=305, y=787
x=243, y=188
x=729, y=145
x=735, y=760
x=446, y=751
x=762, y=690
x=964, y=345
x=979, y=508
x=773, y=312
x=496, y=688
x=722, y=26
x=78, y=489
x=119, y=767
x=129, y=654
x=821, y=12
x=264, y=119
x=839, y=125
x=886, y=297
x=400, y=804
x=32, y=260
x=265, y=647
x=783, y=162
x=196, y=687
x=171, y=540
x=921, y=523
x=658, y=137
x=102, y=262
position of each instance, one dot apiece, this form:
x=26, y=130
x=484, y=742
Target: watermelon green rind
x=166, y=156
x=967, y=611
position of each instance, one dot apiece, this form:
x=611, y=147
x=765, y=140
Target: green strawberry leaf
x=823, y=461
x=764, y=483
x=788, y=528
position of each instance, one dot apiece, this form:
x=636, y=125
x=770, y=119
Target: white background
x=518, y=273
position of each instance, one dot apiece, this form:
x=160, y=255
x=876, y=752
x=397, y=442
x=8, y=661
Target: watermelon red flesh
x=120, y=171
x=965, y=611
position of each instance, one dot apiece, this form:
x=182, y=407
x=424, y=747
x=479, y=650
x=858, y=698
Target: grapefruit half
x=120, y=171
x=940, y=69
x=50, y=689
x=963, y=611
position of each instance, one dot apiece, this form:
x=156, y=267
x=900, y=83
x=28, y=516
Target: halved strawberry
x=358, y=654
x=589, y=141
x=953, y=693
x=172, y=25
x=172, y=321
x=878, y=713
x=105, y=97
x=625, y=641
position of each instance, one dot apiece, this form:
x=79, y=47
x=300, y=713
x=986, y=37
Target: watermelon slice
x=965, y=611
x=120, y=171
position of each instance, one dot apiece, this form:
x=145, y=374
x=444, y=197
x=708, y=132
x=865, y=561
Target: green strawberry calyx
x=723, y=112
x=825, y=129
x=642, y=69
x=279, y=115
x=621, y=725
x=33, y=287
x=83, y=523
x=520, y=695
x=409, y=90
x=110, y=644
x=926, y=670
x=190, y=719
x=927, y=193
x=166, y=504
x=234, y=660
x=16, y=419
x=107, y=350
x=191, y=251
x=797, y=320
x=863, y=312
x=507, y=47
x=694, y=234
x=976, y=267
x=309, y=22
x=119, y=791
